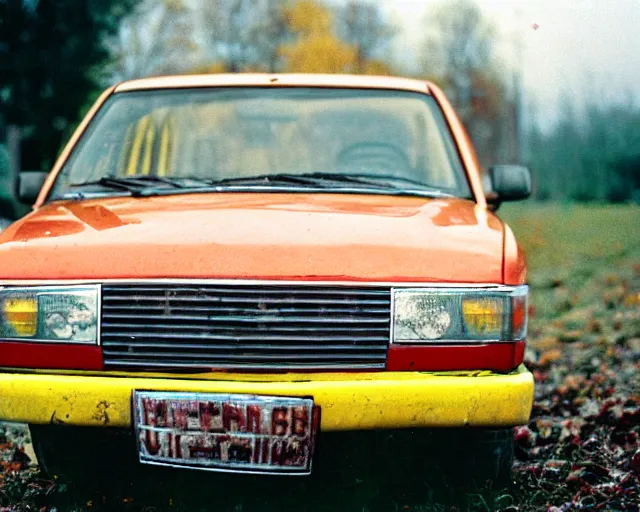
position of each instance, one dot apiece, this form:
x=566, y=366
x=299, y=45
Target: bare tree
x=362, y=24
x=268, y=34
x=157, y=38
x=459, y=53
x=227, y=29
x=244, y=34
x=458, y=44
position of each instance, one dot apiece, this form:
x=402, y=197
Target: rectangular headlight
x=433, y=315
x=67, y=314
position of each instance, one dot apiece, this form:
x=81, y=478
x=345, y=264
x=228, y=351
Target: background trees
x=363, y=26
x=592, y=153
x=156, y=37
x=459, y=53
x=52, y=63
x=296, y=36
x=56, y=56
x=315, y=47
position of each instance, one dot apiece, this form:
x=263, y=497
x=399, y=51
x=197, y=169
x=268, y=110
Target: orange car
x=222, y=268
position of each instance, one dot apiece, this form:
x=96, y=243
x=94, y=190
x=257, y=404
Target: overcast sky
x=580, y=46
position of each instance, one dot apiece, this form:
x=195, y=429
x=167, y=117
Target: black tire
x=87, y=458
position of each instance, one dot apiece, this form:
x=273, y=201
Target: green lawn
x=574, y=251
x=559, y=237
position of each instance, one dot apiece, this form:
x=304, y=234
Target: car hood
x=257, y=236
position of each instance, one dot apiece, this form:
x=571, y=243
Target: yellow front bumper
x=348, y=401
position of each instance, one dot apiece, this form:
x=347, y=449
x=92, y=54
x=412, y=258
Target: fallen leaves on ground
x=581, y=449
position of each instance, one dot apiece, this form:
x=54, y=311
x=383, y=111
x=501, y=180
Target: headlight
x=43, y=313
x=423, y=315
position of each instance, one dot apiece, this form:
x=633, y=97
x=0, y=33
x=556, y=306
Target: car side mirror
x=508, y=183
x=29, y=185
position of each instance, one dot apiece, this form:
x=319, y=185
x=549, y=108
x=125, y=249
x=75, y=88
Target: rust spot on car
x=101, y=414
x=55, y=420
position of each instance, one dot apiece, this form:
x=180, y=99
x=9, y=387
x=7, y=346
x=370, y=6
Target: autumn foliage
x=316, y=48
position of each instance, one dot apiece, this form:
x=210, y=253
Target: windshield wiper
x=312, y=178
x=134, y=185
x=376, y=180
x=325, y=180
x=384, y=182
x=146, y=186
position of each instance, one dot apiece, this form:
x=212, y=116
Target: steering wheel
x=369, y=156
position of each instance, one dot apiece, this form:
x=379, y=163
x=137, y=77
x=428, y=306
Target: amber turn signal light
x=21, y=315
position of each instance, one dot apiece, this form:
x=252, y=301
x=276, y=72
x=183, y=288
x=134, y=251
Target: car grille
x=246, y=327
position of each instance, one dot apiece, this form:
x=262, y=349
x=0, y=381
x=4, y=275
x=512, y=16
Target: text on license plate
x=226, y=432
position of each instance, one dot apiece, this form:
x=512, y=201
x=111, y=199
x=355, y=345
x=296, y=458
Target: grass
x=567, y=245
x=584, y=271
x=561, y=237
x=580, y=450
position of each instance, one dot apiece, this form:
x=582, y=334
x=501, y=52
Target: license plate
x=226, y=432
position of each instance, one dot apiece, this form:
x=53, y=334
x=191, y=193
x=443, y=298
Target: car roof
x=274, y=80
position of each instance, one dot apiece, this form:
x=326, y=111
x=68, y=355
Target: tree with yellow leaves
x=317, y=49
x=295, y=36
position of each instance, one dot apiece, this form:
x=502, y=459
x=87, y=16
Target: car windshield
x=213, y=135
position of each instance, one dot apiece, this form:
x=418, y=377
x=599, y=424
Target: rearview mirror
x=509, y=183
x=29, y=185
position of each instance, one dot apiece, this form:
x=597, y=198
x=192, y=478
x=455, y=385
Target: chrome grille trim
x=279, y=327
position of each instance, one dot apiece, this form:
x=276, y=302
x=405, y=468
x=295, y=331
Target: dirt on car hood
x=257, y=236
